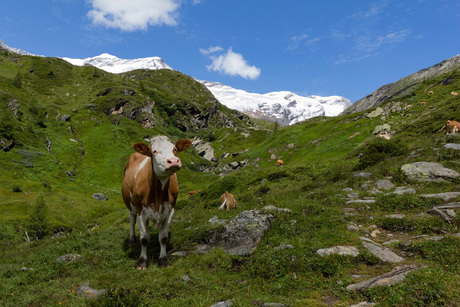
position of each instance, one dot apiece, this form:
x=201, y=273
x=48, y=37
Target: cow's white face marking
x=162, y=155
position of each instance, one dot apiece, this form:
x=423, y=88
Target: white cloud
x=371, y=44
x=233, y=64
x=134, y=14
x=211, y=50
x=376, y=9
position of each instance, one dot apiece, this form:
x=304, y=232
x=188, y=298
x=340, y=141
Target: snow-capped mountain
x=15, y=50
x=113, y=64
x=285, y=107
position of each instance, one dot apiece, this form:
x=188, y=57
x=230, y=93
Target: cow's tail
x=222, y=207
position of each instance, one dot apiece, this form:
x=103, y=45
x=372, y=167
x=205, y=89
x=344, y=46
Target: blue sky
x=345, y=48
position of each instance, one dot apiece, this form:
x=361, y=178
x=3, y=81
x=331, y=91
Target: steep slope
x=404, y=87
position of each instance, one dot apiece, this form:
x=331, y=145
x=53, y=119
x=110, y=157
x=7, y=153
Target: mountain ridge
x=404, y=86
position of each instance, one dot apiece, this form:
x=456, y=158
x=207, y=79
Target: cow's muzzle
x=173, y=164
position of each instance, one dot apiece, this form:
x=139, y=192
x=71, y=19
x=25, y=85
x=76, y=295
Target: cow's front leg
x=132, y=234
x=163, y=238
x=144, y=238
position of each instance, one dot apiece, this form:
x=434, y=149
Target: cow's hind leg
x=163, y=238
x=144, y=238
x=132, y=234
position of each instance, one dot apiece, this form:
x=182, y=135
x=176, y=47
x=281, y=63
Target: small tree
x=38, y=224
x=275, y=127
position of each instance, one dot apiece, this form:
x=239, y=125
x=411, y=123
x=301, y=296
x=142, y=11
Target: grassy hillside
x=320, y=157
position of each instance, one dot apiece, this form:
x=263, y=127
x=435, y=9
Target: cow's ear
x=143, y=149
x=182, y=145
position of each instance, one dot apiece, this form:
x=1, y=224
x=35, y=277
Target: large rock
x=242, y=234
x=339, y=250
x=204, y=149
x=395, y=276
x=428, y=171
x=380, y=252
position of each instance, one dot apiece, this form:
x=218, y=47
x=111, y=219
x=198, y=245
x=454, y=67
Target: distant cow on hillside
x=454, y=94
x=280, y=162
x=227, y=201
x=150, y=190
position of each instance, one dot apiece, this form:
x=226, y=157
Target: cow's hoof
x=142, y=264
x=132, y=240
x=163, y=262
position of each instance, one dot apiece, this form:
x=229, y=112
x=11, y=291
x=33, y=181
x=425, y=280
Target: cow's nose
x=173, y=162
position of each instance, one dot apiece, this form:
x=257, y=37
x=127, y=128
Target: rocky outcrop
x=428, y=171
x=403, y=86
x=241, y=235
x=397, y=275
x=204, y=149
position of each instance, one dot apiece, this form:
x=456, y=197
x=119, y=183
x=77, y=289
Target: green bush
x=38, y=224
x=379, y=150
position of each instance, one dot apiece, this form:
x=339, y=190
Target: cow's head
x=164, y=155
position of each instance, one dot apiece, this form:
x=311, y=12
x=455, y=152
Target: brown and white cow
x=452, y=127
x=280, y=162
x=454, y=94
x=150, y=190
x=227, y=201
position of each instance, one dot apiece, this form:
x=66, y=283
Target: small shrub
x=379, y=150
x=277, y=175
x=17, y=189
x=38, y=224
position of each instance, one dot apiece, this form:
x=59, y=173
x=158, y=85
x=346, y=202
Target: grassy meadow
x=320, y=157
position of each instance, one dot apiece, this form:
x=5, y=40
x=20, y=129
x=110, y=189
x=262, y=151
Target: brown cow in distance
x=227, y=201
x=150, y=190
x=280, y=162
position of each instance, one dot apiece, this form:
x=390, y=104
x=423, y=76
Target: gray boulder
x=204, y=149
x=241, y=235
x=428, y=171
x=100, y=196
x=397, y=275
x=380, y=252
x=339, y=250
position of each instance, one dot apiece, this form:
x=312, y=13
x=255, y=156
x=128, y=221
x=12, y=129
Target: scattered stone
x=357, y=276
x=377, y=112
x=185, y=278
x=271, y=208
x=452, y=146
x=362, y=175
x=397, y=275
x=382, y=253
x=444, y=216
x=100, y=196
x=227, y=303
x=361, y=201
x=451, y=213
x=428, y=171
x=363, y=304
x=352, y=227
x=88, y=292
x=384, y=184
x=27, y=269
x=404, y=190
x=353, y=195
x=382, y=129
x=340, y=250
x=65, y=118
x=445, y=196
x=395, y=216
x=284, y=246
x=347, y=190
x=216, y=221
x=69, y=258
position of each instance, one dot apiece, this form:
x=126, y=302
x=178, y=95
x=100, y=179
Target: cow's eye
x=155, y=152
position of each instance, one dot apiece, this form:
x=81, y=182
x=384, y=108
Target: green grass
x=316, y=169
